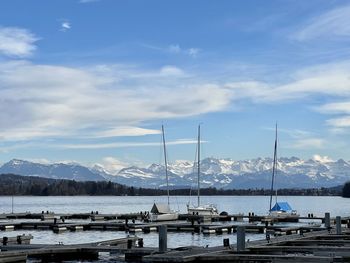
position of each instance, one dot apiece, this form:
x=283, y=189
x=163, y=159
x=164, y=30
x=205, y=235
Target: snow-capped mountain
x=71, y=171
x=220, y=173
x=254, y=173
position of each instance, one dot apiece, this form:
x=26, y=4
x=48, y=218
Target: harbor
x=312, y=239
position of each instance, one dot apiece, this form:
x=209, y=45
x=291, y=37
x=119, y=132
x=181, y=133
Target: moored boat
x=281, y=210
x=162, y=212
x=207, y=209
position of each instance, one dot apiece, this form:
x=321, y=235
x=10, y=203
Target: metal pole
x=198, y=162
x=12, y=204
x=163, y=243
x=274, y=166
x=240, y=238
x=166, y=164
x=338, y=225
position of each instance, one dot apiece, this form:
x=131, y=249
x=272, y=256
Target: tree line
x=28, y=185
x=346, y=190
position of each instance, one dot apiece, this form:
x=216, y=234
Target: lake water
x=317, y=205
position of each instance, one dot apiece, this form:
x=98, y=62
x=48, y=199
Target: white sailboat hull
x=202, y=210
x=283, y=214
x=208, y=210
x=164, y=217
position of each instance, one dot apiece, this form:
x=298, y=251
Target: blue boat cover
x=281, y=206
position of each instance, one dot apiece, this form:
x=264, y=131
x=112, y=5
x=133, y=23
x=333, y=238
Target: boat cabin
x=282, y=209
x=160, y=209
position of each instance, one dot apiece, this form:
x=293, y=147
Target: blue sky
x=93, y=80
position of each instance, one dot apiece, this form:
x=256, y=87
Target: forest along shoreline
x=11, y=184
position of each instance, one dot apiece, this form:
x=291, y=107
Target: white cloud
x=65, y=101
x=54, y=101
x=341, y=122
x=308, y=143
x=322, y=159
x=126, y=131
x=335, y=108
x=328, y=79
x=333, y=23
x=112, y=165
x=65, y=26
x=300, y=139
x=171, y=70
x=17, y=42
x=116, y=100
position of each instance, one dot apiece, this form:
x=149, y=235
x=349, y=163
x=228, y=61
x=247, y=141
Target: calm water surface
x=126, y=204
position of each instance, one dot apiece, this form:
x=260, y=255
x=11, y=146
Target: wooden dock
x=20, y=252
x=320, y=246
x=301, y=242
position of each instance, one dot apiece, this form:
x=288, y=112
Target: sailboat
x=280, y=209
x=208, y=209
x=162, y=212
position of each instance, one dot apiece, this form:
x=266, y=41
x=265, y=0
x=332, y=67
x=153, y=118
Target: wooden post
x=163, y=244
x=4, y=241
x=240, y=238
x=338, y=225
x=226, y=242
x=327, y=220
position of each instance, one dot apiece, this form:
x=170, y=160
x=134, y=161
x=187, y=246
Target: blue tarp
x=281, y=206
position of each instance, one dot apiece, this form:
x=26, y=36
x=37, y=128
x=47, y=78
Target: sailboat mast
x=198, y=163
x=166, y=164
x=274, y=167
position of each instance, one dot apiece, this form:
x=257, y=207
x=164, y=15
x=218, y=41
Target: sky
x=92, y=81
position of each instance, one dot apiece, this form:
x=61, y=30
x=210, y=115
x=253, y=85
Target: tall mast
x=274, y=167
x=166, y=163
x=198, y=162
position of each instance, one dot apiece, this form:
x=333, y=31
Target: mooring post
x=327, y=220
x=226, y=242
x=163, y=242
x=240, y=238
x=338, y=225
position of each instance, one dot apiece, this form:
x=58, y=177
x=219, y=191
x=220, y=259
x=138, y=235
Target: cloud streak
x=175, y=49
x=125, y=144
x=126, y=131
x=333, y=23
x=309, y=143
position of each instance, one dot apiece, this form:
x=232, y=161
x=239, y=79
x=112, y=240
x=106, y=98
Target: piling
x=240, y=238
x=163, y=244
x=226, y=242
x=338, y=225
x=327, y=220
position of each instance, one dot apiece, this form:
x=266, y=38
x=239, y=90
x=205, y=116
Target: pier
x=324, y=239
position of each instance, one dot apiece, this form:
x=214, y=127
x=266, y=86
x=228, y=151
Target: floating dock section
x=322, y=239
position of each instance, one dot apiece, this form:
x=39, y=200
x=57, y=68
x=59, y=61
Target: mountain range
x=292, y=172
